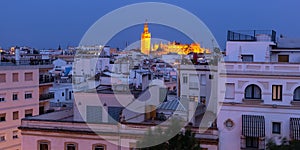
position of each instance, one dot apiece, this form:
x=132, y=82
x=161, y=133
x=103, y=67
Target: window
x=15, y=77
x=203, y=100
x=229, y=93
x=15, y=134
x=28, y=95
x=247, y=58
x=2, y=117
x=2, y=137
x=15, y=115
x=193, y=84
x=252, y=142
x=15, y=96
x=2, y=78
x=62, y=94
x=28, y=76
x=71, y=146
x=276, y=127
x=283, y=58
x=211, y=76
x=99, y=147
x=185, y=79
x=252, y=92
x=44, y=145
x=297, y=94
x=203, y=79
x=194, y=98
x=277, y=92
x=28, y=112
x=2, y=97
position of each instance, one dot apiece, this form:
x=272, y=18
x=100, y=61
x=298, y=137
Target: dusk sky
x=48, y=23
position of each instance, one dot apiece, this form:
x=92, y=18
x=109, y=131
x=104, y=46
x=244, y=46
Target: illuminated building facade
x=146, y=40
x=175, y=47
x=171, y=47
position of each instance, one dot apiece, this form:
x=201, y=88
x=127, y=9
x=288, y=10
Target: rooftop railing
x=251, y=35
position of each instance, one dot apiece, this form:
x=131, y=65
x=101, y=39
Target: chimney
x=17, y=55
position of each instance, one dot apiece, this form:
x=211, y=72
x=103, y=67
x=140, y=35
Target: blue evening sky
x=48, y=23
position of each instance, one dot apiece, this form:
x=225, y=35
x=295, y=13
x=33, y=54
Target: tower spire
x=146, y=29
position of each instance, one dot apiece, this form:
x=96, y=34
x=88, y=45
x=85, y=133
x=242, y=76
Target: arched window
x=71, y=146
x=99, y=147
x=297, y=94
x=252, y=92
x=44, y=145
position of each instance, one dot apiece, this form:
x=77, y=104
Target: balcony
x=46, y=96
x=27, y=61
x=252, y=101
x=46, y=80
x=261, y=68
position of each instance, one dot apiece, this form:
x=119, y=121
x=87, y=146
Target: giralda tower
x=146, y=40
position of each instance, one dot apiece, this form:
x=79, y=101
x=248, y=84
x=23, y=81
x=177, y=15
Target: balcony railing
x=46, y=80
x=27, y=61
x=46, y=96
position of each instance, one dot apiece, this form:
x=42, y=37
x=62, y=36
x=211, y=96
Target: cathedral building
x=165, y=48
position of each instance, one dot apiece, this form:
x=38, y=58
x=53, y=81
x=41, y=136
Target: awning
x=253, y=126
x=295, y=128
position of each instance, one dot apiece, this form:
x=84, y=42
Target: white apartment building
x=197, y=83
x=261, y=98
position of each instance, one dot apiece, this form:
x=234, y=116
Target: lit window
x=194, y=98
x=277, y=92
x=28, y=76
x=2, y=117
x=2, y=78
x=283, y=58
x=276, y=127
x=15, y=115
x=252, y=92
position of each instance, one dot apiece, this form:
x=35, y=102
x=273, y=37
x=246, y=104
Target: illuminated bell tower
x=146, y=40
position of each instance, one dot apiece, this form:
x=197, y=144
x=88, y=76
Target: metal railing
x=27, y=62
x=46, y=80
x=46, y=96
x=252, y=35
